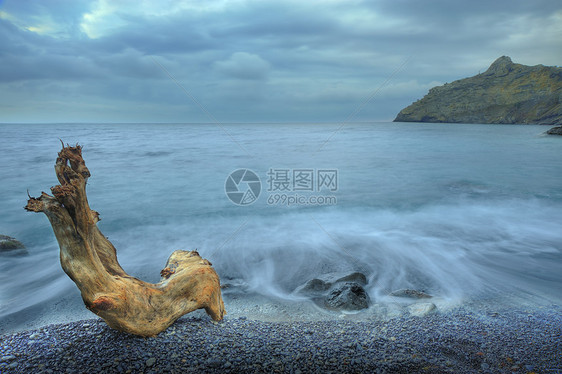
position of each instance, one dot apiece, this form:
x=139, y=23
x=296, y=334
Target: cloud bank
x=253, y=61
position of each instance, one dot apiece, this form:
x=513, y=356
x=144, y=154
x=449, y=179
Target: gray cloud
x=253, y=60
x=242, y=65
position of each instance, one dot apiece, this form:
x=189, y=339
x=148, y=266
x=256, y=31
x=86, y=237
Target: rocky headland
x=506, y=93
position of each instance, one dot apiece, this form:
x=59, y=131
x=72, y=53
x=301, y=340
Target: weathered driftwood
x=126, y=303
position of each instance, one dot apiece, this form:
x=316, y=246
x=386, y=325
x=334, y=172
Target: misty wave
x=439, y=249
x=451, y=251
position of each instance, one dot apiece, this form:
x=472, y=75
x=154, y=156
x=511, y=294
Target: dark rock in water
x=319, y=286
x=411, y=294
x=340, y=291
x=505, y=93
x=347, y=296
x=8, y=244
x=555, y=131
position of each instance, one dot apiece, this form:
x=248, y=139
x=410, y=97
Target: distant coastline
x=506, y=93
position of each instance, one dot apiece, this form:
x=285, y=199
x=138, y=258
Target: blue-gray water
x=461, y=211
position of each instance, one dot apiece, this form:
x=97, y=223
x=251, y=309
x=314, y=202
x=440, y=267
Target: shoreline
x=253, y=306
x=459, y=341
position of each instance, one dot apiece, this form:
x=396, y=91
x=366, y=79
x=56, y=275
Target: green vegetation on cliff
x=505, y=93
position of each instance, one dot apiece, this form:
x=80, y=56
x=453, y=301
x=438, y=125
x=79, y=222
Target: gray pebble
x=212, y=362
x=151, y=361
x=446, y=342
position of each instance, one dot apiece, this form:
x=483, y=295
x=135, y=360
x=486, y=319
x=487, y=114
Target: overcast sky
x=254, y=61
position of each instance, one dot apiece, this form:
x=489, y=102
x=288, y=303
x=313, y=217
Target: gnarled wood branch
x=126, y=303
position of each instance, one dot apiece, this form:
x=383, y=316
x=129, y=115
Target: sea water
x=456, y=210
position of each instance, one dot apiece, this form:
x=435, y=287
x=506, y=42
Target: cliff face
x=505, y=93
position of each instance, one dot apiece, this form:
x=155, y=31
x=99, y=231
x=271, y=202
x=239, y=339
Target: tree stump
x=188, y=282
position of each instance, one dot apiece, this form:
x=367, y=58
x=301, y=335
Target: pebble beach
x=459, y=341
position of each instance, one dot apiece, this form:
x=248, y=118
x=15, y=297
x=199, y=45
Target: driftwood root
x=188, y=282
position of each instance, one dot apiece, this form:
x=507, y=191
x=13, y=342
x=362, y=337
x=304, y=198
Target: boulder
x=347, y=296
x=8, y=244
x=319, y=286
x=422, y=309
x=555, y=131
x=337, y=291
x=410, y=294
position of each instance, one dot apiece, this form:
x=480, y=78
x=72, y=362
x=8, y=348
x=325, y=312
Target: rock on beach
x=337, y=291
x=9, y=244
x=410, y=294
x=348, y=296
